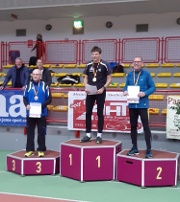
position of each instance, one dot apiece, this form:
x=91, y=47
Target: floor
x=55, y=188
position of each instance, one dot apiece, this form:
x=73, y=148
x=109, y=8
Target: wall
x=123, y=26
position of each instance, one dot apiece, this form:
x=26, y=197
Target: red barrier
x=147, y=48
x=62, y=52
x=152, y=49
x=109, y=49
x=172, y=49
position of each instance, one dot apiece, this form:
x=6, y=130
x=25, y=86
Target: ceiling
x=87, y=10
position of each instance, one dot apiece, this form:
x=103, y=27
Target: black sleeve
x=34, y=46
x=49, y=78
x=48, y=100
x=8, y=78
x=25, y=101
x=86, y=70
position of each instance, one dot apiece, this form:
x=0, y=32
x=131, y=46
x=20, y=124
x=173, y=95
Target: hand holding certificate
x=35, y=110
x=91, y=89
x=133, y=92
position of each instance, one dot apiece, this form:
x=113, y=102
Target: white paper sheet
x=35, y=110
x=133, y=94
x=92, y=89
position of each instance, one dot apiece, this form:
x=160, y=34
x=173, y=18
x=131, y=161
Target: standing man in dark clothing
x=19, y=74
x=142, y=78
x=45, y=73
x=36, y=94
x=97, y=73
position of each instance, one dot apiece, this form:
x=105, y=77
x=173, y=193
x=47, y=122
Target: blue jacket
x=11, y=75
x=44, y=96
x=146, y=84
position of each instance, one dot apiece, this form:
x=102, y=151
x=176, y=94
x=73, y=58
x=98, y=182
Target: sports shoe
x=148, y=154
x=85, y=139
x=98, y=140
x=29, y=153
x=40, y=154
x=133, y=151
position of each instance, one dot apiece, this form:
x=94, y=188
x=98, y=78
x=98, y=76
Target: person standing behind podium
x=37, y=92
x=97, y=73
x=140, y=77
x=39, y=46
x=45, y=73
x=19, y=74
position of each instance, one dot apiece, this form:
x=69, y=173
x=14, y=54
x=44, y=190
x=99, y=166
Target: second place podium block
x=161, y=170
x=89, y=161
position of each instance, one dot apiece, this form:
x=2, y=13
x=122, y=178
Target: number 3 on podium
x=13, y=165
x=39, y=167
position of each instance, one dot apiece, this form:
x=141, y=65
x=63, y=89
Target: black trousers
x=134, y=113
x=41, y=127
x=90, y=100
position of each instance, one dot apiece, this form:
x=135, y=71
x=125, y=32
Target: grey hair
x=139, y=57
x=18, y=58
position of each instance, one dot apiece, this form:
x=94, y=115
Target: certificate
x=133, y=94
x=35, y=110
x=92, y=89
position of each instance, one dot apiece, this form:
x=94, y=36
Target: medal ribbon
x=36, y=91
x=95, y=69
x=136, y=78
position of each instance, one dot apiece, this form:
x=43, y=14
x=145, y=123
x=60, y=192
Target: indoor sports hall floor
x=15, y=188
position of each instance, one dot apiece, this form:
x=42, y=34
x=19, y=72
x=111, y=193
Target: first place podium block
x=47, y=165
x=161, y=170
x=89, y=161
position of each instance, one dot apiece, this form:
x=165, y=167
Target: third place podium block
x=89, y=161
x=161, y=170
x=47, y=165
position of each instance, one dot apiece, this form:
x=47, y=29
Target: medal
x=136, y=79
x=95, y=70
x=36, y=92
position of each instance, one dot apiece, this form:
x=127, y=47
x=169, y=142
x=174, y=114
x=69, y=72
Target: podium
x=89, y=161
x=161, y=170
x=34, y=165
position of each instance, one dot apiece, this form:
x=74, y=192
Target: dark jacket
x=11, y=75
x=46, y=77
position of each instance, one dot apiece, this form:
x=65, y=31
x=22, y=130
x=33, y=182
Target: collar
x=138, y=70
x=36, y=82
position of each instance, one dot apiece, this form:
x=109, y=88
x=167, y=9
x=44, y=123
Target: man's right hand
x=125, y=93
x=87, y=92
x=1, y=87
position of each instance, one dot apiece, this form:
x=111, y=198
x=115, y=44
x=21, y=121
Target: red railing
x=147, y=48
x=109, y=49
x=152, y=49
x=172, y=49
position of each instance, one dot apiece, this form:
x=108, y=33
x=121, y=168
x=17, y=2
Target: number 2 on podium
x=158, y=177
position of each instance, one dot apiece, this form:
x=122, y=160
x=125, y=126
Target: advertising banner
x=12, y=109
x=116, y=113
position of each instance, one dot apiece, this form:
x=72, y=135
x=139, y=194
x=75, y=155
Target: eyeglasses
x=36, y=74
